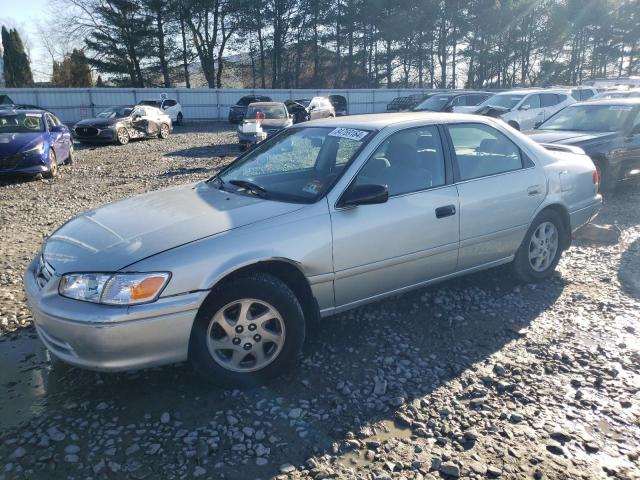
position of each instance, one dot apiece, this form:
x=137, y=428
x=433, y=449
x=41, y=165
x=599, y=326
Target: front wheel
x=122, y=136
x=248, y=330
x=71, y=157
x=540, y=251
x=164, y=131
x=179, y=119
x=53, y=165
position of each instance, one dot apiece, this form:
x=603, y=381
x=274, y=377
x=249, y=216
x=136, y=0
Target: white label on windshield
x=620, y=108
x=350, y=133
x=37, y=115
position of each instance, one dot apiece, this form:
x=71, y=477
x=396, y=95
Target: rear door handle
x=445, y=211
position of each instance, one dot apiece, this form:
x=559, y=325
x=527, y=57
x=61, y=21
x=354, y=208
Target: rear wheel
x=122, y=136
x=53, y=165
x=249, y=329
x=540, y=251
x=179, y=119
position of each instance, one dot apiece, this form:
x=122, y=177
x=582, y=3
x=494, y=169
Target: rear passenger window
x=549, y=99
x=482, y=150
x=408, y=161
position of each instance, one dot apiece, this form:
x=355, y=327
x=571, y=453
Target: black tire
x=257, y=286
x=53, y=165
x=179, y=118
x=122, y=136
x=608, y=181
x=513, y=124
x=522, y=267
x=71, y=157
x=164, y=131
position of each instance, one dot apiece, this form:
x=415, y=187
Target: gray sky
x=26, y=16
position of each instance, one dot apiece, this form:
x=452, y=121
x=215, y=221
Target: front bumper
x=100, y=135
x=111, y=338
x=16, y=165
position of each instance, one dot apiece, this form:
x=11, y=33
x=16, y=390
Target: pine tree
x=99, y=82
x=72, y=71
x=17, y=70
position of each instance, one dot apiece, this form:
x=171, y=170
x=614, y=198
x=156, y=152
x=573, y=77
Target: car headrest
x=426, y=142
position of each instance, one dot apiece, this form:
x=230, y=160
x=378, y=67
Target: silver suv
x=524, y=109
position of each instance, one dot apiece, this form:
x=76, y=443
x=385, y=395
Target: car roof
x=611, y=101
x=378, y=121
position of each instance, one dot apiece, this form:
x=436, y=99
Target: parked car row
x=301, y=109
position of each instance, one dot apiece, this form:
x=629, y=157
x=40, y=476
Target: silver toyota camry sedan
x=323, y=217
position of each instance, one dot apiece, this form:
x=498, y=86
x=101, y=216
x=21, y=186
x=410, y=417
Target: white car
x=167, y=105
x=524, y=109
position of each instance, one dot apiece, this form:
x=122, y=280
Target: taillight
x=596, y=177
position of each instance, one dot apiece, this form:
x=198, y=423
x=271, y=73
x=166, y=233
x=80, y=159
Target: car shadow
x=414, y=344
x=629, y=270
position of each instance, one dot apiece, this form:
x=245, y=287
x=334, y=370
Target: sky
x=26, y=15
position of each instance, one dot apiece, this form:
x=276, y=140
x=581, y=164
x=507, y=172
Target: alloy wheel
x=543, y=246
x=245, y=335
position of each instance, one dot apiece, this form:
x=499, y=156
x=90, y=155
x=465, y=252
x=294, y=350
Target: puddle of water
x=23, y=378
x=383, y=431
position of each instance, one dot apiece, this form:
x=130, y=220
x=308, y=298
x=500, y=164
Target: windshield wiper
x=250, y=186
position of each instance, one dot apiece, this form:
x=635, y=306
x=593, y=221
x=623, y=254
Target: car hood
x=113, y=236
x=98, y=122
x=12, y=143
x=568, y=137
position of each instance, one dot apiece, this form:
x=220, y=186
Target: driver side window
x=407, y=161
x=532, y=100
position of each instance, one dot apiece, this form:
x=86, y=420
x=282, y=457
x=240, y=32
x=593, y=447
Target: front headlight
x=114, y=288
x=37, y=150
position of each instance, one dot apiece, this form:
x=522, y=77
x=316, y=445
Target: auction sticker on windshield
x=621, y=108
x=350, y=133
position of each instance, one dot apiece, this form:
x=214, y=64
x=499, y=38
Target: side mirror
x=448, y=109
x=312, y=107
x=136, y=116
x=364, y=195
x=525, y=107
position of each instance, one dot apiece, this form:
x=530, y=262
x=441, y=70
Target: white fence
x=73, y=104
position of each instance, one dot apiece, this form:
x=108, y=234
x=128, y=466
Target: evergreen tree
x=72, y=71
x=17, y=69
x=99, y=82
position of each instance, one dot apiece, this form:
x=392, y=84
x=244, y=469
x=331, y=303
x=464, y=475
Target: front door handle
x=534, y=190
x=445, y=211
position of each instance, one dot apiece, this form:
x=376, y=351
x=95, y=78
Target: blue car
x=33, y=142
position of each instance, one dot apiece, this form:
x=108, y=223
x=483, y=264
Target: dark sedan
x=238, y=111
x=121, y=124
x=451, y=101
x=607, y=130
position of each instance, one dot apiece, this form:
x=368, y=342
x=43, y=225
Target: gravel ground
x=472, y=378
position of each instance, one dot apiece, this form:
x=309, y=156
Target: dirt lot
x=473, y=378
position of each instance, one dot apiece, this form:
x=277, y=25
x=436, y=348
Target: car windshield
x=21, y=123
x=269, y=111
x=299, y=165
x=115, y=112
x=435, y=103
x=506, y=101
x=589, y=118
x=304, y=102
x=151, y=103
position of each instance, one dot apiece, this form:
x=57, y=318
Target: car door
x=411, y=238
x=500, y=189
x=631, y=142
x=530, y=112
x=60, y=137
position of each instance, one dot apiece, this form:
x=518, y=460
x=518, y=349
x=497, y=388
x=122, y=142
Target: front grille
x=86, y=131
x=9, y=161
x=44, y=272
